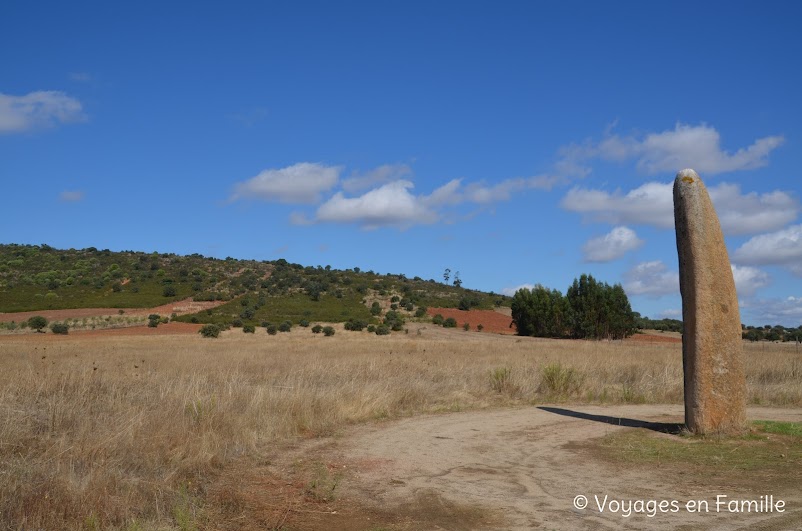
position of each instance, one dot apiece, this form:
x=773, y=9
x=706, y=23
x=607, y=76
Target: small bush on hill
x=437, y=319
x=37, y=322
x=286, y=326
x=304, y=323
x=272, y=329
x=317, y=329
x=169, y=291
x=209, y=330
x=328, y=331
x=60, y=328
x=450, y=323
x=249, y=329
x=382, y=330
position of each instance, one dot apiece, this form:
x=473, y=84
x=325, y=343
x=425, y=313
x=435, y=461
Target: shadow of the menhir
x=662, y=427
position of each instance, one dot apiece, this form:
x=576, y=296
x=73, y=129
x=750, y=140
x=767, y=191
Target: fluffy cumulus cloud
x=37, y=110
x=612, y=245
x=390, y=204
x=511, y=291
x=649, y=204
x=652, y=203
x=302, y=183
x=652, y=279
x=749, y=279
x=783, y=247
x=358, y=182
x=787, y=311
x=685, y=146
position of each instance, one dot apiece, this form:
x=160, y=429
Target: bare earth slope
x=522, y=469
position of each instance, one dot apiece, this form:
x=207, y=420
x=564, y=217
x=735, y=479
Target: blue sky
x=515, y=142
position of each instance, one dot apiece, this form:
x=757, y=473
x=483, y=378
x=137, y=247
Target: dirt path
x=522, y=468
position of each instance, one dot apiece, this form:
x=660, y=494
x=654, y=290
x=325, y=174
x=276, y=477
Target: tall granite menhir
x=715, y=386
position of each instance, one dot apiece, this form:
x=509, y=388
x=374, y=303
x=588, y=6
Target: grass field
x=145, y=432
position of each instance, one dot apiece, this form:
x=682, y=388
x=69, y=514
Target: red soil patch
x=169, y=329
x=492, y=321
x=178, y=307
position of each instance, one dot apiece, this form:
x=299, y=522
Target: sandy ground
x=522, y=469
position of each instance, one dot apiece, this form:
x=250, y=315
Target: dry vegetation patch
x=152, y=431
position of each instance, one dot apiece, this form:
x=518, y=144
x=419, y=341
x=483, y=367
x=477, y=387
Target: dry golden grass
x=133, y=432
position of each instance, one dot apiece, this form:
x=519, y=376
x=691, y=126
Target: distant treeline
x=589, y=310
x=751, y=333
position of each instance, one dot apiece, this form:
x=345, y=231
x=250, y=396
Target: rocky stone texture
x=715, y=386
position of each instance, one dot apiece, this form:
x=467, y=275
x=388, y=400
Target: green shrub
x=249, y=329
x=480, y=327
x=328, y=331
x=450, y=323
x=382, y=330
x=500, y=379
x=37, y=322
x=394, y=307
x=394, y=298
x=375, y=309
x=437, y=319
x=409, y=307
x=304, y=323
x=371, y=328
x=466, y=326
x=558, y=380
x=286, y=326
x=60, y=328
x=153, y=323
x=317, y=329
x=236, y=323
x=356, y=325
x=209, y=330
x=420, y=312
x=169, y=291
x=272, y=329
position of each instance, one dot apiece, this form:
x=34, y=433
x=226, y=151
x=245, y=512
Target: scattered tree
x=37, y=322
x=209, y=330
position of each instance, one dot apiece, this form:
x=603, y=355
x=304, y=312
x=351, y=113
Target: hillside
x=40, y=277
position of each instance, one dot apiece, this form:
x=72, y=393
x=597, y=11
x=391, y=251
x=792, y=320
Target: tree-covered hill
x=40, y=277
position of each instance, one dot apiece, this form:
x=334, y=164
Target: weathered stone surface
x=715, y=386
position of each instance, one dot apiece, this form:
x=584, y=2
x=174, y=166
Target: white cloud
x=752, y=213
x=37, y=110
x=783, y=247
x=652, y=203
x=454, y=193
x=652, y=279
x=686, y=146
x=381, y=175
x=300, y=183
x=612, y=245
x=749, y=279
x=786, y=312
x=511, y=291
x=391, y=204
x=71, y=196
x=671, y=313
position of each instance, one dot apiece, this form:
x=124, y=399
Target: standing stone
x=715, y=386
